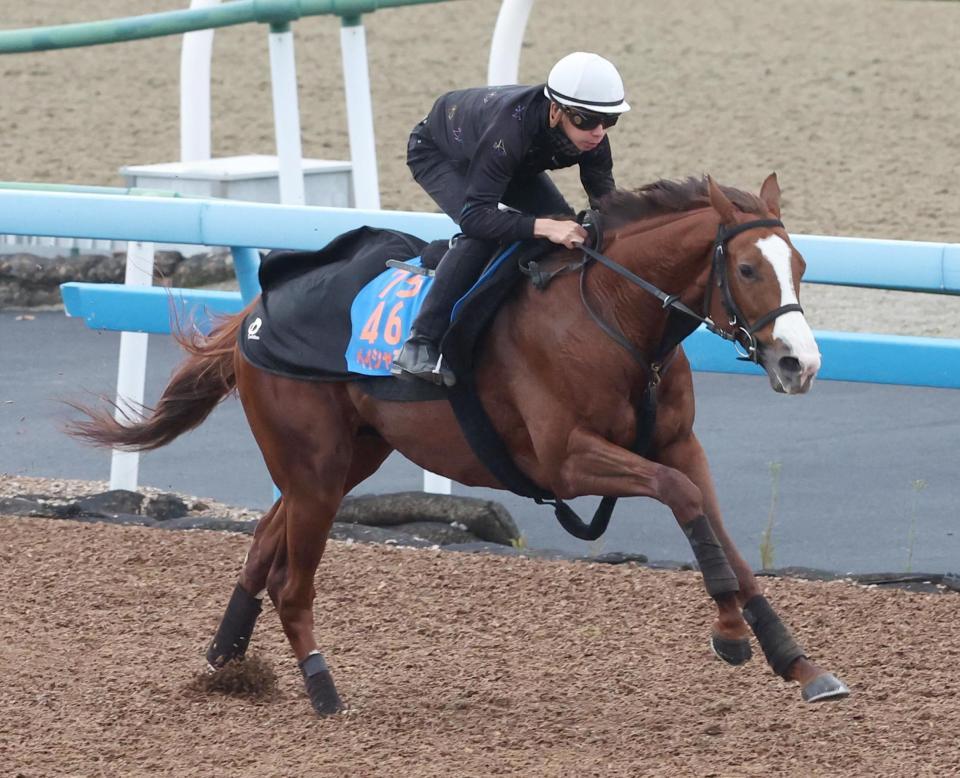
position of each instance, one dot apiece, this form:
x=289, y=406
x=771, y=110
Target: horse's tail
x=201, y=381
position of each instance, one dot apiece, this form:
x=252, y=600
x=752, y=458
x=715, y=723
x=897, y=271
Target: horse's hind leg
x=310, y=435
x=310, y=511
x=267, y=559
x=781, y=650
x=236, y=627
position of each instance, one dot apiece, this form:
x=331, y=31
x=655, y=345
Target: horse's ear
x=770, y=194
x=720, y=203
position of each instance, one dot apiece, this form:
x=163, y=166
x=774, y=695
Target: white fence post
x=195, y=56
x=504, y=64
x=132, y=370
x=363, y=148
x=286, y=115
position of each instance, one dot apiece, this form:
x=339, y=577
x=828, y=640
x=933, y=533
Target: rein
x=669, y=302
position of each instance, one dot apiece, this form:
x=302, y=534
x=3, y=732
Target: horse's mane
x=621, y=207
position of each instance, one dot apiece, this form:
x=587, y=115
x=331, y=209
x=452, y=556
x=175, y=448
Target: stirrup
x=439, y=375
x=415, y=269
x=425, y=369
x=445, y=376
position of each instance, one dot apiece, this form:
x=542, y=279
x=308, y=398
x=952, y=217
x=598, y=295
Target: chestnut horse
x=561, y=373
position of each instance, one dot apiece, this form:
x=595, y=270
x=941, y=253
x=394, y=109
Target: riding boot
x=457, y=271
x=420, y=358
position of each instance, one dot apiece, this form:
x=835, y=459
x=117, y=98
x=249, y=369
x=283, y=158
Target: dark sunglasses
x=590, y=121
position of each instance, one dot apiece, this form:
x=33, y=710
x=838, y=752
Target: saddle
x=340, y=314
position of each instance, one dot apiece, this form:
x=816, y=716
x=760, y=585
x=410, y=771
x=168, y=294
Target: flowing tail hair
x=201, y=382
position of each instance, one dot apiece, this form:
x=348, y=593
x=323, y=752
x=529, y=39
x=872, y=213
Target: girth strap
x=485, y=442
x=490, y=449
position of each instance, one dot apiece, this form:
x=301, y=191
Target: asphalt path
x=854, y=477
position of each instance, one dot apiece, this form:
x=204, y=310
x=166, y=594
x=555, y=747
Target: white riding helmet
x=587, y=81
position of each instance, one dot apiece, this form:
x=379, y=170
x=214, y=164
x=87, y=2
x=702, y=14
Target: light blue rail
x=908, y=265
x=905, y=265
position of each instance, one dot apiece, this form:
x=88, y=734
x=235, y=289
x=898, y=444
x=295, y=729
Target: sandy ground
x=853, y=102
x=451, y=665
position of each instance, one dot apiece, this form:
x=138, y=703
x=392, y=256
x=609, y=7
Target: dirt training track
x=451, y=665
x=458, y=665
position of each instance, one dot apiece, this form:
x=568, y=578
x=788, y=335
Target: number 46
x=394, y=325
x=393, y=328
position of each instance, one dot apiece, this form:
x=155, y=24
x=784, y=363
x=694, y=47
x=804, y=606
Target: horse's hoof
x=320, y=687
x=733, y=652
x=323, y=694
x=824, y=687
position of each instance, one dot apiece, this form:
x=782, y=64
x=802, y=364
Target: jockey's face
x=584, y=139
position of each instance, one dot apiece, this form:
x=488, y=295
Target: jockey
x=478, y=148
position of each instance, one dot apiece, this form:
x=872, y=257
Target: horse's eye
x=746, y=271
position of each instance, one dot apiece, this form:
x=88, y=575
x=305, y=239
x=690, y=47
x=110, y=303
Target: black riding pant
x=445, y=180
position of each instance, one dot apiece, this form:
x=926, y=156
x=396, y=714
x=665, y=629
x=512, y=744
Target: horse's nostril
x=789, y=365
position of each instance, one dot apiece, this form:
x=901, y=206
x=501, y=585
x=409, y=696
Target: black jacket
x=503, y=133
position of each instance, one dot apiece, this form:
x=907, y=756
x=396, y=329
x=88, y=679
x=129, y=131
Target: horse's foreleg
x=236, y=627
x=730, y=638
x=783, y=653
x=593, y=465
x=596, y=466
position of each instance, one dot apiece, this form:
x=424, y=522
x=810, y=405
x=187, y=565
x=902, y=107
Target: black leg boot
x=458, y=270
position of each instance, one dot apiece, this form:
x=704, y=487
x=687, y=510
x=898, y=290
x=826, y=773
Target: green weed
x=766, y=541
x=918, y=486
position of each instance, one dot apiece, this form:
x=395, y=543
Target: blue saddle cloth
x=340, y=314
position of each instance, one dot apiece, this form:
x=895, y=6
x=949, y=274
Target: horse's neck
x=673, y=255
x=670, y=250
x=540, y=330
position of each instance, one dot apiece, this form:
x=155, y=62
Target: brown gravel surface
x=451, y=665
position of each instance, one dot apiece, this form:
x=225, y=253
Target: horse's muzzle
x=789, y=373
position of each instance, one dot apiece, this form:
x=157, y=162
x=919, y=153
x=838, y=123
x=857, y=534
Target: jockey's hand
x=562, y=232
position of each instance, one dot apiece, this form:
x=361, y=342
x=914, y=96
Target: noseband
x=744, y=332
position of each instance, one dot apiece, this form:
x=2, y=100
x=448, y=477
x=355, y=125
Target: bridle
x=744, y=333
x=735, y=316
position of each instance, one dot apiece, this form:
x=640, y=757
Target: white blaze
x=791, y=328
